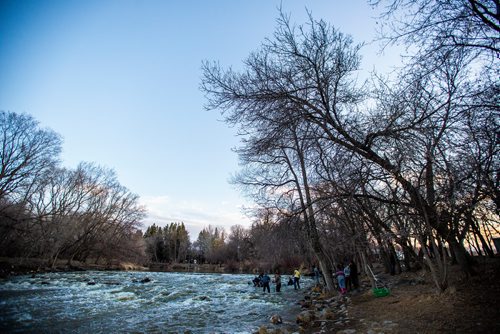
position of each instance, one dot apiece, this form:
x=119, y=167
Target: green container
x=380, y=292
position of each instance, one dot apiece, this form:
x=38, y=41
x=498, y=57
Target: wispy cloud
x=163, y=210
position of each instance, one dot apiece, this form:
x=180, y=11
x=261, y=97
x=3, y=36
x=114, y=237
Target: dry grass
x=468, y=306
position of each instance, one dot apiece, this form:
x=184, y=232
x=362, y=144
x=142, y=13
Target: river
x=111, y=302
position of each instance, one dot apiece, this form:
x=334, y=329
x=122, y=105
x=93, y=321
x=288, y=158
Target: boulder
x=317, y=289
x=305, y=318
x=276, y=319
x=203, y=298
x=306, y=304
x=327, y=315
x=262, y=330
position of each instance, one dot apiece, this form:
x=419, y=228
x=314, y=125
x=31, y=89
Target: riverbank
x=413, y=306
x=24, y=266
x=467, y=306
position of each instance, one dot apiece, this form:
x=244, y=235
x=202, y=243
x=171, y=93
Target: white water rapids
x=118, y=302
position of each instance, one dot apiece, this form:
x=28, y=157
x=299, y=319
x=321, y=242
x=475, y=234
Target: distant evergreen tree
x=168, y=244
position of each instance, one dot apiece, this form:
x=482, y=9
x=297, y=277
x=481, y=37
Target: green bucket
x=380, y=292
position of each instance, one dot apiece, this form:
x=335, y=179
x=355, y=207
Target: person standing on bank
x=277, y=281
x=316, y=274
x=341, y=279
x=347, y=275
x=296, y=279
x=354, y=274
x=265, y=283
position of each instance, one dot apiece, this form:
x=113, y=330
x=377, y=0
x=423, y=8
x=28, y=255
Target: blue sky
x=119, y=80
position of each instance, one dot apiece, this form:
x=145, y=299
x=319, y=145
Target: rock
x=262, y=330
x=90, y=283
x=305, y=318
x=204, y=298
x=275, y=331
x=306, y=304
x=317, y=289
x=145, y=280
x=276, y=319
x=327, y=315
x=112, y=283
x=389, y=324
x=319, y=308
x=346, y=331
x=331, y=300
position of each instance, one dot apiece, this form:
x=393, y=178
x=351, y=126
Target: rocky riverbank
x=469, y=305
x=320, y=312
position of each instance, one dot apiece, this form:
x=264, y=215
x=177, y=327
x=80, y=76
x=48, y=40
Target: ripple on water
x=202, y=303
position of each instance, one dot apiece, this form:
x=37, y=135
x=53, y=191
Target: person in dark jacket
x=354, y=274
x=264, y=281
x=256, y=281
x=277, y=281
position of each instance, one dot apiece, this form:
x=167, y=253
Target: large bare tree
x=27, y=152
x=304, y=77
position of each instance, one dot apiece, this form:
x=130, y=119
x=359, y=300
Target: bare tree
x=27, y=152
x=295, y=71
x=437, y=25
x=27, y=155
x=304, y=77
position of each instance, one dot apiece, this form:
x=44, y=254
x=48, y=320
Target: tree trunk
x=438, y=276
x=367, y=270
x=408, y=254
x=395, y=259
x=487, y=249
x=54, y=260
x=327, y=272
x=462, y=257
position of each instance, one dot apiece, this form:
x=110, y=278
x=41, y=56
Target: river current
x=117, y=302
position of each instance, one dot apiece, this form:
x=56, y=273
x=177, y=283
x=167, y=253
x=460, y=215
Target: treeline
x=51, y=212
x=263, y=246
x=403, y=163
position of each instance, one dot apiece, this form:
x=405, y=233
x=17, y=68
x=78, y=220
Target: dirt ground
x=413, y=306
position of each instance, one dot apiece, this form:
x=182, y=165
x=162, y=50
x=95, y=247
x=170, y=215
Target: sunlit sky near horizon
x=119, y=81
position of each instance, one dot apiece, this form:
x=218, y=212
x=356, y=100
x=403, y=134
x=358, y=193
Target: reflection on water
x=109, y=302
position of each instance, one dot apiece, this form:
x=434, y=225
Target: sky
x=119, y=81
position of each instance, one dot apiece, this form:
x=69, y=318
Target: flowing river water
x=117, y=302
